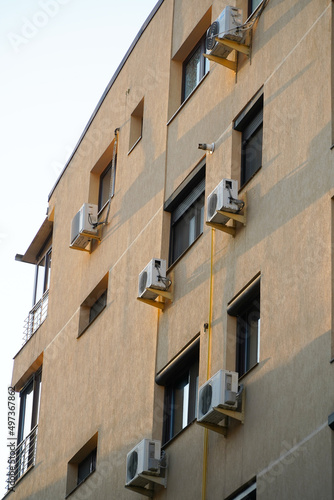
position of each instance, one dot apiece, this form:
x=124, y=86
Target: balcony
x=22, y=458
x=36, y=317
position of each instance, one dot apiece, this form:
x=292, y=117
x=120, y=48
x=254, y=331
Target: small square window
x=246, y=309
x=93, y=305
x=187, y=214
x=195, y=67
x=136, y=125
x=250, y=124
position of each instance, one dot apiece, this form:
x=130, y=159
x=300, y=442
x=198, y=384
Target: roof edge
x=110, y=84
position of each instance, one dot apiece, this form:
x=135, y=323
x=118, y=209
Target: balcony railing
x=36, y=317
x=22, y=458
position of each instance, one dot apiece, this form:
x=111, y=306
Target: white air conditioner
x=222, y=198
x=226, y=26
x=219, y=391
x=144, y=459
x=153, y=276
x=83, y=226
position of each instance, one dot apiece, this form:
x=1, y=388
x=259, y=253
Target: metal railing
x=22, y=458
x=36, y=317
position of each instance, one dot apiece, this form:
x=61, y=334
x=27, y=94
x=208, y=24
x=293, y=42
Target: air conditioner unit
x=153, y=276
x=222, y=198
x=83, y=226
x=144, y=458
x=219, y=391
x=226, y=26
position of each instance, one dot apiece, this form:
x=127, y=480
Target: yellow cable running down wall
x=208, y=368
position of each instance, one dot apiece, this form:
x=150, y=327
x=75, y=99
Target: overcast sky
x=57, y=57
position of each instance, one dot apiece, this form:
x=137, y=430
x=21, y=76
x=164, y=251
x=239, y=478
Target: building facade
x=220, y=168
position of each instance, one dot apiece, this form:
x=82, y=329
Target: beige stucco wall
x=104, y=381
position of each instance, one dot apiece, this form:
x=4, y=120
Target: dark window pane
x=251, y=155
x=194, y=68
x=98, y=306
x=104, y=186
x=87, y=466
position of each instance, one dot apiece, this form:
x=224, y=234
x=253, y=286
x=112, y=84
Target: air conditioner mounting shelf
x=237, y=415
x=97, y=237
x=239, y=47
x=155, y=303
x=236, y=217
x=160, y=481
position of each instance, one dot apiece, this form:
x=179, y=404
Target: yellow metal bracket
x=164, y=294
x=216, y=428
x=237, y=415
x=239, y=47
x=151, y=481
x=97, y=237
x=236, y=217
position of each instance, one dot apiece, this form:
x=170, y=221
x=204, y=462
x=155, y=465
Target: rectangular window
x=81, y=465
x=93, y=305
x=250, y=124
x=180, y=379
x=136, y=125
x=195, y=67
x=187, y=214
x=86, y=466
x=107, y=185
x=27, y=425
x=246, y=308
x=42, y=276
x=247, y=492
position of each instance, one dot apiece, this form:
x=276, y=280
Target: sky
x=56, y=57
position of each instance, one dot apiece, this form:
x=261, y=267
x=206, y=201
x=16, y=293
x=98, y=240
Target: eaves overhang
x=38, y=244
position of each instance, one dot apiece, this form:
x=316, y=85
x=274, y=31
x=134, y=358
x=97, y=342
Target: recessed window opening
x=93, y=305
x=107, y=185
x=195, y=68
x=187, y=214
x=82, y=465
x=246, y=309
x=42, y=276
x=136, y=125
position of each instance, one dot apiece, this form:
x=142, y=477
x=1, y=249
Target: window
x=81, y=465
x=136, y=125
x=27, y=425
x=42, y=276
x=194, y=68
x=187, y=213
x=93, y=305
x=107, y=185
x=86, y=466
x=250, y=124
x=180, y=379
x=252, y=5
x=246, y=308
x=247, y=492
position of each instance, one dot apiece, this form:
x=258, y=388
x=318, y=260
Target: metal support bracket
x=164, y=294
x=97, y=237
x=239, y=47
x=236, y=217
x=151, y=481
x=216, y=428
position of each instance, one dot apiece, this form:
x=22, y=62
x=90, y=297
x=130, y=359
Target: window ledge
x=187, y=99
x=165, y=445
x=78, y=485
x=89, y=324
x=135, y=144
x=183, y=254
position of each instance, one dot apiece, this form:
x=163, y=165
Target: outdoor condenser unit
x=83, y=226
x=226, y=26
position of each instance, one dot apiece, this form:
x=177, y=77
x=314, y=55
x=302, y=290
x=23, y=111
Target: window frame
x=86, y=319
x=250, y=123
x=252, y=9
x=247, y=303
x=203, y=69
x=47, y=256
x=102, y=204
x=87, y=451
x=184, y=367
x=188, y=198
x=243, y=492
x=32, y=385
